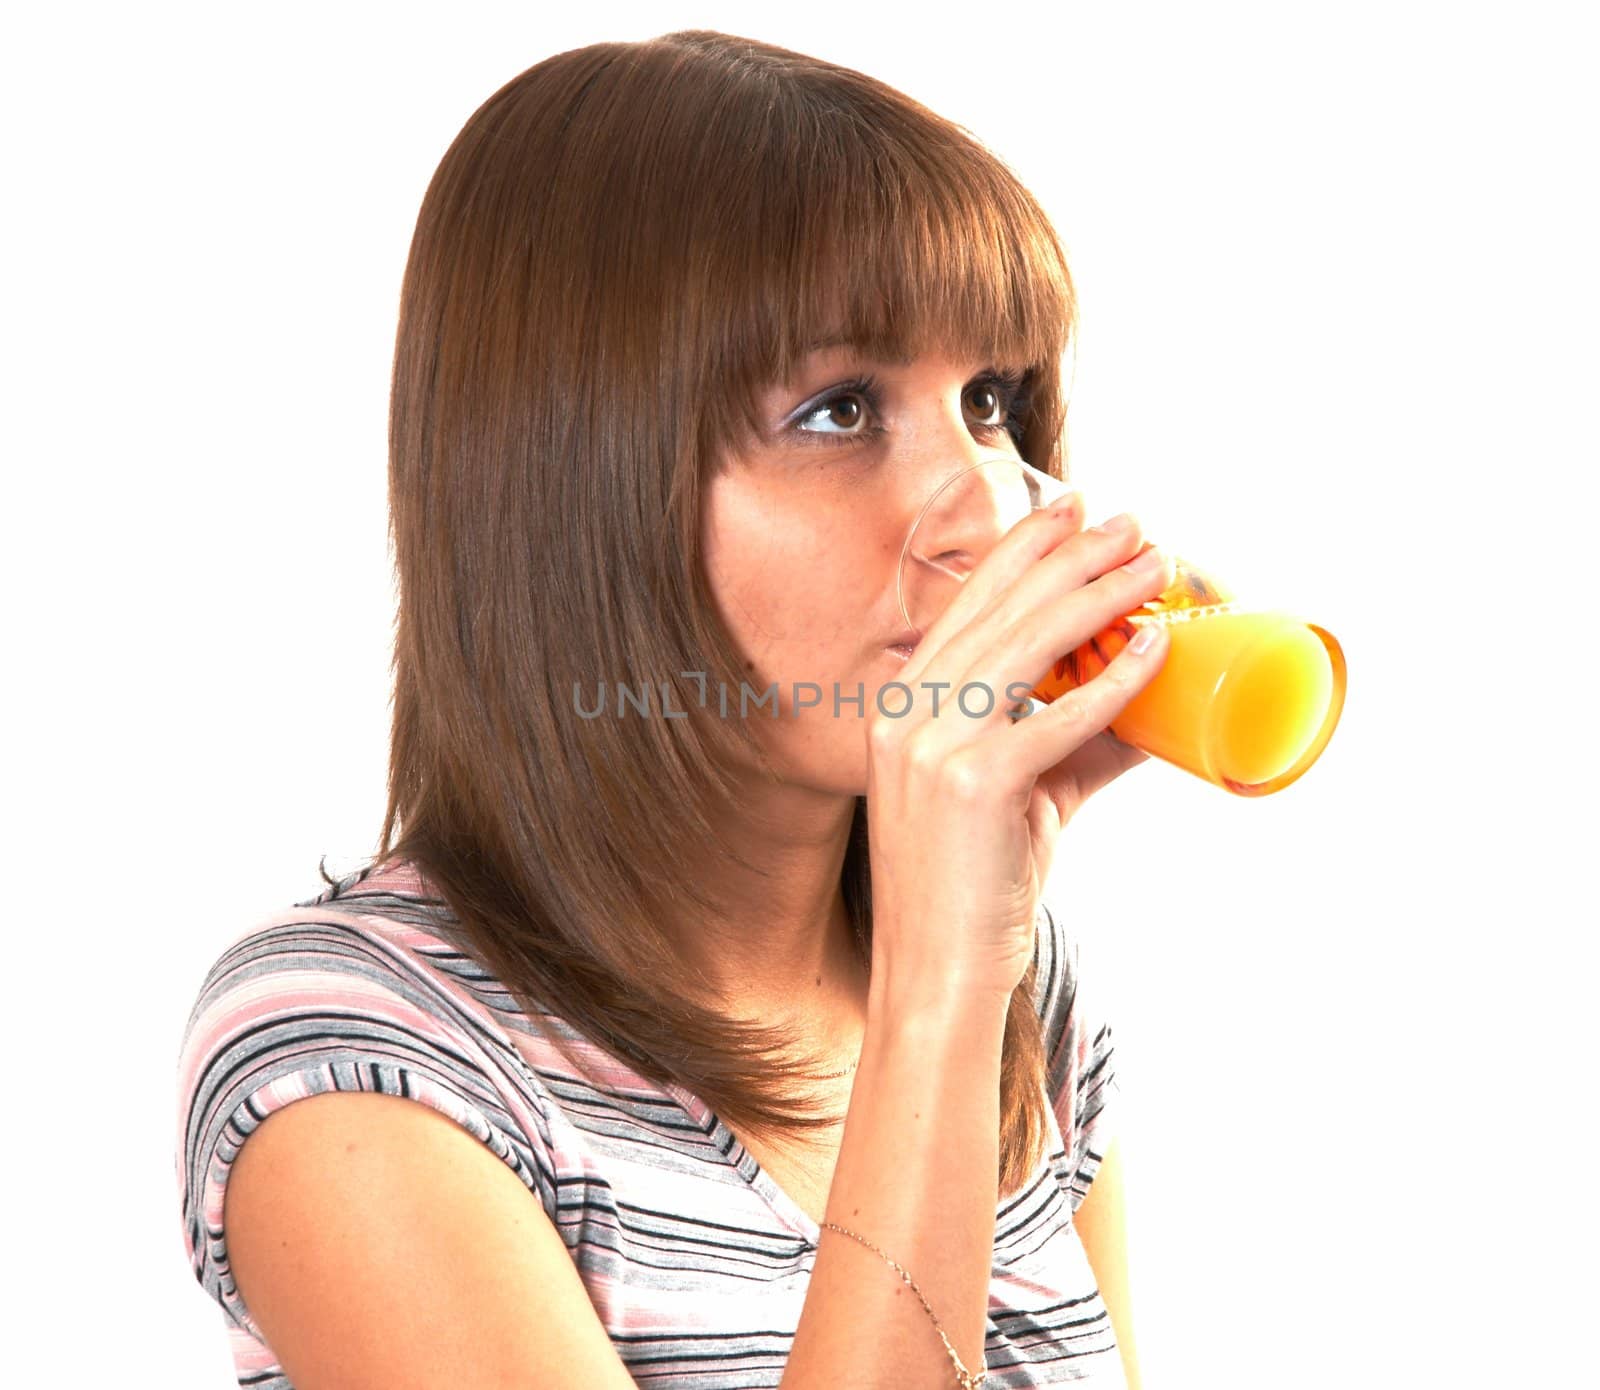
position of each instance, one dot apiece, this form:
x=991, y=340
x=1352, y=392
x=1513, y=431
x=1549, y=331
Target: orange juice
x=1246, y=698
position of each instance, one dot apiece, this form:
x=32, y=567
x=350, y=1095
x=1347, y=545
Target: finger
x=1014, y=554
x=1037, y=747
x=1063, y=602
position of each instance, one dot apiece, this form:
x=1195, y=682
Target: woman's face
x=803, y=534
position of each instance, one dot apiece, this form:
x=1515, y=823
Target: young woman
x=746, y=1051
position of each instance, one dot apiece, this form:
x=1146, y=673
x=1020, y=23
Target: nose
x=970, y=508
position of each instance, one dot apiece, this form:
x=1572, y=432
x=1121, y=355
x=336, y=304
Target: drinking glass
x=1247, y=697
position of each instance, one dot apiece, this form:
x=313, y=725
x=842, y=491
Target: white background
x=1337, y=274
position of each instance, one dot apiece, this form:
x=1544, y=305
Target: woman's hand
x=963, y=811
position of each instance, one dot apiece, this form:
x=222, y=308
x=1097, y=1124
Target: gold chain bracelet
x=964, y=1378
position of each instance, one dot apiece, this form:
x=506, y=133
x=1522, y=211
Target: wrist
x=940, y=998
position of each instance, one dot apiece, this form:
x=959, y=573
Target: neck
x=779, y=948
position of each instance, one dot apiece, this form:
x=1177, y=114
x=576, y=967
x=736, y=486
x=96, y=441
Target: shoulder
x=1080, y=1050
x=332, y=945
x=1055, y=974
x=341, y=994
x=375, y=948
x=326, y=973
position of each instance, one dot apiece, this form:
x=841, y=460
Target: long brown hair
x=618, y=250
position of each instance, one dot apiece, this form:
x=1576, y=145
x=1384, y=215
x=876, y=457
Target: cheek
x=789, y=579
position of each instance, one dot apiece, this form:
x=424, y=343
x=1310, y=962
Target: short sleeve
x=1080, y=1075
x=300, y=1008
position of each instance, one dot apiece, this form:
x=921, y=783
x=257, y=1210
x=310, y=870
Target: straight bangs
x=883, y=225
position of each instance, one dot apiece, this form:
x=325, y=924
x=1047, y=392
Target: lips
x=905, y=643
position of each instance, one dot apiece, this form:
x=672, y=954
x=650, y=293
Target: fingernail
x=1068, y=499
x=1123, y=522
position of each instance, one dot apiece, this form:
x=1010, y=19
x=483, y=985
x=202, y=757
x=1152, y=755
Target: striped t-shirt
x=695, y=1260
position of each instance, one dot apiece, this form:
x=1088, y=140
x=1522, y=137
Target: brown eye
x=847, y=414
x=845, y=411
x=992, y=397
